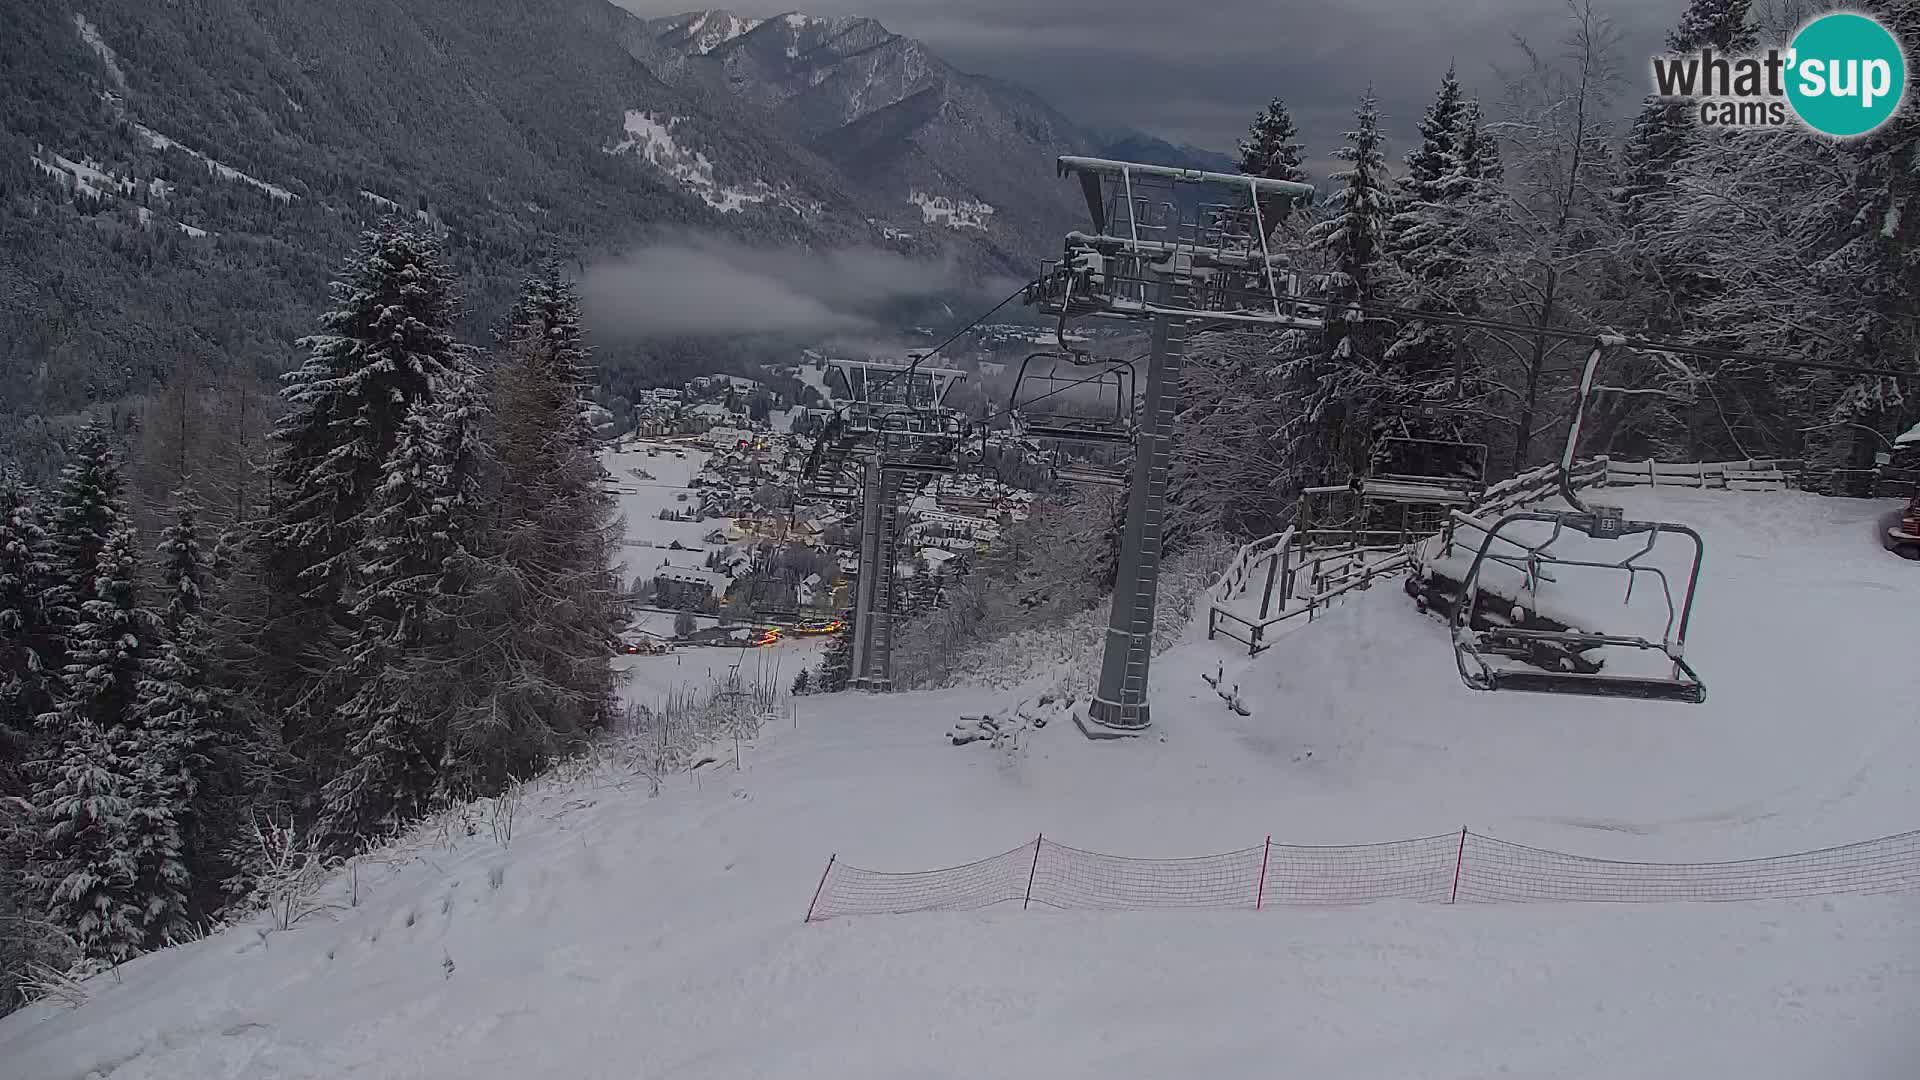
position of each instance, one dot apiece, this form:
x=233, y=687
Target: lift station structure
x=893, y=429
x=1181, y=250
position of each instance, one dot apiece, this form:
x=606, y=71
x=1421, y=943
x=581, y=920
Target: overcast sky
x=1196, y=72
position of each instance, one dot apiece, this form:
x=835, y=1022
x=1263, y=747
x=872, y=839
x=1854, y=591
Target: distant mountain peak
x=937, y=156
x=701, y=32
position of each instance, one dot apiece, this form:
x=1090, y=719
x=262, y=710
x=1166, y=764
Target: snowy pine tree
x=1336, y=387
x=383, y=345
x=81, y=871
x=191, y=753
x=1476, y=151
x=1272, y=148
x=183, y=563
x=1272, y=151
x=394, y=725
x=1423, y=360
x=1660, y=131
x=1355, y=233
x=1656, y=291
x=160, y=761
x=89, y=507
x=27, y=638
x=86, y=785
x=1429, y=164
x=106, y=648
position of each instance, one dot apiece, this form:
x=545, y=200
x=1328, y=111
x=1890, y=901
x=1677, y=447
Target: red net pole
x=817, y=888
x=1459, y=857
x=1260, y=893
x=1028, y=899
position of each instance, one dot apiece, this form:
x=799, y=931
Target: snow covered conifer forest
x=408, y=606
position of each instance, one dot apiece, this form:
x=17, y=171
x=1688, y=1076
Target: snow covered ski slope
x=611, y=933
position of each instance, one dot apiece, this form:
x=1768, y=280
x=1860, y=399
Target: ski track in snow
x=619, y=935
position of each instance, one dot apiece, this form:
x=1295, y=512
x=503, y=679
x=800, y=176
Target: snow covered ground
x=647, y=543
x=620, y=934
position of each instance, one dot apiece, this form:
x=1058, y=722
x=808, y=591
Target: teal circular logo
x=1846, y=74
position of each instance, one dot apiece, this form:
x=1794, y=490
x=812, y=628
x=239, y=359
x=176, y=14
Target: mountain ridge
x=183, y=179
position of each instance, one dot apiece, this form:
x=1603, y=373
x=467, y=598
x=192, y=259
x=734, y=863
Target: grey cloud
x=1198, y=72
x=695, y=285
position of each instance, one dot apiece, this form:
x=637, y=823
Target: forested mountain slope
x=180, y=178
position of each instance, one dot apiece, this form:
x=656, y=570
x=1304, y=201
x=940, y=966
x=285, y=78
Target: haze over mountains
x=182, y=178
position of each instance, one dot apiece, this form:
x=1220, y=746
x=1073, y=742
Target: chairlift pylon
x=1494, y=650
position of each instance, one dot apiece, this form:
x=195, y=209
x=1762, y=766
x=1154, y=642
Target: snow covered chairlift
x=1496, y=655
x=1036, y=403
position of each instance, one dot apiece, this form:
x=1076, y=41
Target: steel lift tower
x=893, y=429
x=1184, y=251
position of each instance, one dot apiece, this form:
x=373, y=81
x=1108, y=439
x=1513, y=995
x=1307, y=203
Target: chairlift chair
x=1494, y=652
x=1052, y=420
x=1081, y=473
x=1436, y=471
x=930, y=441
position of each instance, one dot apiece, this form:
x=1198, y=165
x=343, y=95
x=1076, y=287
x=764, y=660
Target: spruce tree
x=1476, y=151
x=1425, y=261
x=106, y=648
x=382, y=346
x=88, y=509
x=1449, y=176
x=1355, y=234
x=27, y=645
x=1272, y=151
x=183, y=563
x=395, y=728
x=192, y=753
x=81, y=871
x=1429, y=163
x=1272, y=148
x=160, y=762
x=97, y=867
x=1335, y=390
x=384, y=342
x=188, y=781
